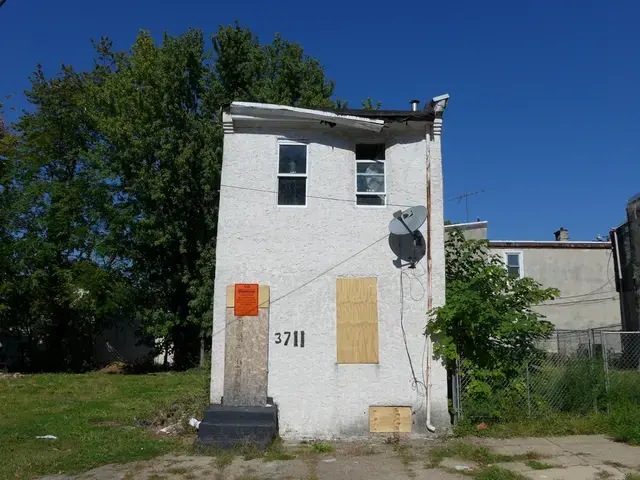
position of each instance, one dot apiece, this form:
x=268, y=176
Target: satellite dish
x=408, y=248
x=409, y=221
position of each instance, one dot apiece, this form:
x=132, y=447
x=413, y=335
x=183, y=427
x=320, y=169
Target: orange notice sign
x=246, y=300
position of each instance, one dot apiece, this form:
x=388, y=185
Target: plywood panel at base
x=246, y=359
x=357, y=320
x=390, y=419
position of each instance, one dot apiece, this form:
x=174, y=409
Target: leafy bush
x=488, y=326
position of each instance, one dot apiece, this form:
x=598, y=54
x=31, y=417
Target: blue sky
x=545, y=102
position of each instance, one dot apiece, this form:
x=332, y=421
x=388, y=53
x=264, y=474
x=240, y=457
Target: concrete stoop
x=227, y=426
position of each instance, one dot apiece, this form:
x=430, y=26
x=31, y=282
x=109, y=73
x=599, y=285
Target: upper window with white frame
x=292, y=173
x=513, y=261
x=371, y=182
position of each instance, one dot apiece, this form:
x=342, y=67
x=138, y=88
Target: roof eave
x=548, y=244
x=265, y=111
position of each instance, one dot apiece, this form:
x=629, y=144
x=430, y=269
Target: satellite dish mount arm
x=398, y=216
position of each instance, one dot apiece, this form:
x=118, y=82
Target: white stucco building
x=306, y=200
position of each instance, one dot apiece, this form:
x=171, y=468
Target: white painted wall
x=291, y=248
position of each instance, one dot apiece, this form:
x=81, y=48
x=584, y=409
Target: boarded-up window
x=390, y=419
x=357, y=320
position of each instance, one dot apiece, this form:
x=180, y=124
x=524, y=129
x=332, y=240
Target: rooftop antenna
x=466, y=200
x=408, y=222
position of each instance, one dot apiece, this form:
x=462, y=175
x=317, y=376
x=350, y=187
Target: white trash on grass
x=464, y=468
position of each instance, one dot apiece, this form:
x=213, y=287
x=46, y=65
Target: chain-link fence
x=577, y=372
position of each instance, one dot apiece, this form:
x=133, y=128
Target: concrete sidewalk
x=567, y=458
x=574, y=457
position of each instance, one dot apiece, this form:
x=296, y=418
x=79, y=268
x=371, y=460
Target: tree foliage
x=369, y=105
x=58, y=293
x=110, y=188
x=489, y=318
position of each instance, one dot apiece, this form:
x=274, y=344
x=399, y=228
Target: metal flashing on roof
x=467, y=225
x=547, y=244
x=265, y=111
x=390, y=115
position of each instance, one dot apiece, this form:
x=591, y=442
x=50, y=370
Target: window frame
x=292, y=175
x=382, y=194
x=520, y=254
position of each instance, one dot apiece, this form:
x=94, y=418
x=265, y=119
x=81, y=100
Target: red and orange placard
x=246, y=300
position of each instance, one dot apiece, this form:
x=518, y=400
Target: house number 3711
x=286, y=339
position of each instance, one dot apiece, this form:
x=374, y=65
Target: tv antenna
x=466, y=196
x=407, y=223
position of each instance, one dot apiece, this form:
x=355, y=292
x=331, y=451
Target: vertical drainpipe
x=434, y=158
x=429, y=426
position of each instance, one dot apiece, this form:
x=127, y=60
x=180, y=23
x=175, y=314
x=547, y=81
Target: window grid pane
x=514, y=272
x=371, y=183
x=513, y=259
x=370, y=199
x=370, y=167
x=292, y=191
x=293, y=159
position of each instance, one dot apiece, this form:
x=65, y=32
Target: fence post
x=528, y=390
x=592, y=345
x=605, y=361
x=456, y=394
x=460, y=410
x=454, y=397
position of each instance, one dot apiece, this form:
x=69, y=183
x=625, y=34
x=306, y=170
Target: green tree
x=111, y=186
x=279, y=72
x=489, y=317
x=368, y=104
x=158, y=112
x=59, y=293
x=163, y=152
x=7, y=145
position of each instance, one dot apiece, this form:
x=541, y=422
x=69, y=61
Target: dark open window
x=292, y=174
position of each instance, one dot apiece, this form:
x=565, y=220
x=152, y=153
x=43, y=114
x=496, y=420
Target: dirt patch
x=115, y=368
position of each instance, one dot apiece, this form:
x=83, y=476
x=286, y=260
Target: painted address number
x=285, y=338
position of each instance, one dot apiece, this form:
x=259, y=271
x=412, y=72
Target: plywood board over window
x=390, y=419
x=357, y=320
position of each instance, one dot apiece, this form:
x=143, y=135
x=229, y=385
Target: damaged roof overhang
x=269, y=112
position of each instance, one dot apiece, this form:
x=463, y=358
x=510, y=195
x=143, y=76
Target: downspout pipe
x=429, y=426
x=437, y=106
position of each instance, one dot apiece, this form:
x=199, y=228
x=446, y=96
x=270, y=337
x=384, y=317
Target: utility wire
x=309, y=281
x=311, y=196
x=587, y=294
x=577, y=302
x=416, y=383
x=592, y=292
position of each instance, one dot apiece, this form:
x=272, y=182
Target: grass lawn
x=621, y=425
x=90, y=414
